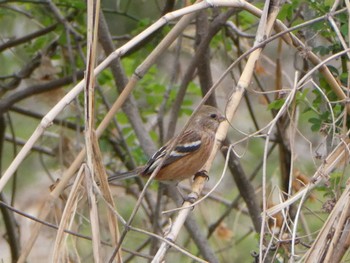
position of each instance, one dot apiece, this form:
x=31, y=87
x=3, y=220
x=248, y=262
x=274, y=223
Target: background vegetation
x=278, y=186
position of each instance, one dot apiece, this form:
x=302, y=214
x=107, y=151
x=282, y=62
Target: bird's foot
x=202, y=173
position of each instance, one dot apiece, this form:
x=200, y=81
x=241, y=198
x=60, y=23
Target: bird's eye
x=213, y=115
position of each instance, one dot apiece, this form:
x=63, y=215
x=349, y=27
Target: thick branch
x=245, y=188
x=12, y=231
x=203, y=67
x=130, y=107
x=215, y=26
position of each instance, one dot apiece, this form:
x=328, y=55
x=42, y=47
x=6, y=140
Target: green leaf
x=286, y=12
x=154, y=135
x=246, y=19
x=76, y=4
x=301, y=95
x=276, y=104
x=105, y=77
x=121, y=118
x=194, y=89
x=316, y=124
x=322, y=50
x=344, y=29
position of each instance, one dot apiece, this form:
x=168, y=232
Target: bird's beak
x=222, y=118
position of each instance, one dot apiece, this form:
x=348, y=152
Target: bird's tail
x=125, y=175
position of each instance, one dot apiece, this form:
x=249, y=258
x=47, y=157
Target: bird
x=190, y=149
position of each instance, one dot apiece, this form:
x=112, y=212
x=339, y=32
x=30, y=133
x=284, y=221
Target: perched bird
x=189, y=153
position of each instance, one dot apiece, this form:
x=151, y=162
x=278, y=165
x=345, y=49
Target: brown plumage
x=190, y=152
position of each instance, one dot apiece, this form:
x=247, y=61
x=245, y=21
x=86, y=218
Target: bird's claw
x=202, y=173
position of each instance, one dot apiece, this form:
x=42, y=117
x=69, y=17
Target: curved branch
x=21, y=40
x=6, y=103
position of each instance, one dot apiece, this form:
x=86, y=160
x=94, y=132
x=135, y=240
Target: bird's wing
x=188, y=142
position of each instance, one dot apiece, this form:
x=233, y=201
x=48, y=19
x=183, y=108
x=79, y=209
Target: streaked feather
x=189, y=142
